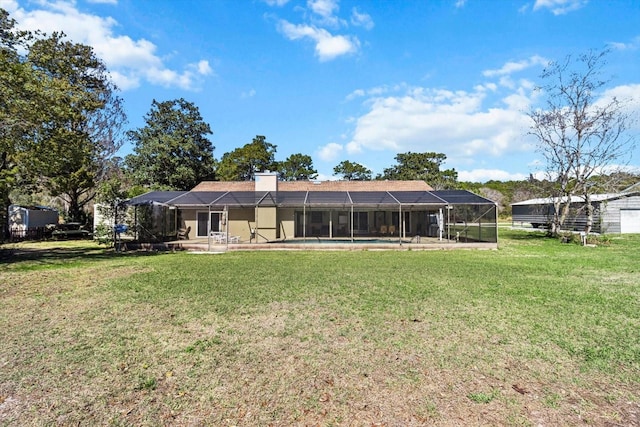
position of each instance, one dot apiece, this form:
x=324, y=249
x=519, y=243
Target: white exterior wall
x=99, y=219
x=610, y=214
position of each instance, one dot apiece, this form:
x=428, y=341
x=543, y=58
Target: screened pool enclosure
x=309, y=216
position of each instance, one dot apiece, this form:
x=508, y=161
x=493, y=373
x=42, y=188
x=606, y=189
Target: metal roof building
x=613, y=212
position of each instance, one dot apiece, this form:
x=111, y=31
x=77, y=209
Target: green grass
x=537, y=332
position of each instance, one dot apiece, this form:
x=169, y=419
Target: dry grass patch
x=394, y=339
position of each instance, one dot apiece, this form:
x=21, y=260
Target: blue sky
x=353, y=80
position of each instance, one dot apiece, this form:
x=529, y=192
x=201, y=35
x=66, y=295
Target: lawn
x=534, y=333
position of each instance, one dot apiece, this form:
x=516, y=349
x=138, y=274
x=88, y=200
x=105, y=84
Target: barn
x=613, y=213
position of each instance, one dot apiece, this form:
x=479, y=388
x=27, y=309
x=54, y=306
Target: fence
x=21, y=234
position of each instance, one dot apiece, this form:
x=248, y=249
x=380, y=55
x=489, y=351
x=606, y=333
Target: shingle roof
x=415, y=185
x=225, y=186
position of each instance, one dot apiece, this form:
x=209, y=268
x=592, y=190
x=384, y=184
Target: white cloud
x=361, y=19
x=492, y=87
x=482, y=125
x=355, y=94
x=129, y=61
x=457, y=123
x=327, y=46
x=376, y=91
x=324, y=11
x=324, y=8
x=330, y=152
x=204, y=68
x=626, y=93
x=460, y=3
x=248, y=94
x=103, y=1
x=125, y=82
x=629, y=96
x=484, y=175
x=9, y=5
x=632, y=45
x=559, y=7
x=324, y=177
x=522, y=98
x=320, y=23
x=516, y=66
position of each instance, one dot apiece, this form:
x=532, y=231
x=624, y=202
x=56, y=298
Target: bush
x=599, y=239
x=104, y=234
x=569, y=237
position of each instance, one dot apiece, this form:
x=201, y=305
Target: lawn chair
x=383, y=230
x=392, y=230
x=218, y=237
x=183, y=233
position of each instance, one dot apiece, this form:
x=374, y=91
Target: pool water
x=315, y=240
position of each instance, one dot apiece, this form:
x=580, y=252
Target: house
x=613, y=213
x=267, y=210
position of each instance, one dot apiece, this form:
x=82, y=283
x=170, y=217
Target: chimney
x=266, y=181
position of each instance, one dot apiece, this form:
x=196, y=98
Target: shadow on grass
x=33, y=256
x=530, y=236
x=522, y=235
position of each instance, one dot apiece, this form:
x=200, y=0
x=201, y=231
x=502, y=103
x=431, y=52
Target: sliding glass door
x=213, y=222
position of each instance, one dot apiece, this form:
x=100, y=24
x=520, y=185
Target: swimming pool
x=341, y=241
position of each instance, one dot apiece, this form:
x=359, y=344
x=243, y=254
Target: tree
x=242, y=163
x=80, y=122
x=297, y=167
x=15, y=78
x=579, y=133
x=172, y=150
x=422, y=166
x=352, y=171
x=112, y=209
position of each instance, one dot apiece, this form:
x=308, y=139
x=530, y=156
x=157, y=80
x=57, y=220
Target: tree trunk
x=555, y=220
x=75, y=213
x=564, y=214
x=4, y=217
x=589, y=207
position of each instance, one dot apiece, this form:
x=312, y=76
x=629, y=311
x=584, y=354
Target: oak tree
x=297, y=167
x=172, y=150
x=79, y=125
x=351, y=171
x=422, y=166
x=242, y=163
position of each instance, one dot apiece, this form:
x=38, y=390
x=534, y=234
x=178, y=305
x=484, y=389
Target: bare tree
x=580, y=133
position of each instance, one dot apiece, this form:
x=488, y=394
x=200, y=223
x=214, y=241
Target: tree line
x=172, y=152
x=60, y=118
x=62, y=123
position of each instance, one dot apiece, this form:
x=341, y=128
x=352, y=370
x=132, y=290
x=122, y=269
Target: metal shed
x=613, y=213
x=30, y=221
